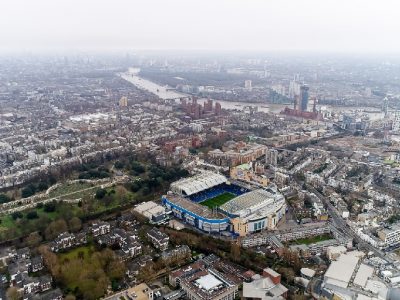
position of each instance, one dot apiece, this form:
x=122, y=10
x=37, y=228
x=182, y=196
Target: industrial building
x=151, y=210
x=341, y=271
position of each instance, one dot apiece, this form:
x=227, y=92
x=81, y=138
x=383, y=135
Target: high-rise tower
x=304, y=97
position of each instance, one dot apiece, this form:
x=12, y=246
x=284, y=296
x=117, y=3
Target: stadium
x=209, y=202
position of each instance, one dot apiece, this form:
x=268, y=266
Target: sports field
x=218, y=200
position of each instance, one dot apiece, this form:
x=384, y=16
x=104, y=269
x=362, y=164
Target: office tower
x=304, y=97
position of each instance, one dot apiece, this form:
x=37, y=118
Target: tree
x=292, y=259
x=146, y=191
x=235, y=252
x=75, y=224
x=50, y=206
x=52, y=179
x=100, y=193
x=87, y=274
x=28, y=191
x=148, y=273
x=17, y=215
x=41, y=223
x=50, y=260
x=13, y=293
x=4, y=198
x=42, y=186
x=137, y=167
x=116, y=269
x=33, y=239
x=135, y=186
x=119, y=165
x=55, y=228
x=32, y=215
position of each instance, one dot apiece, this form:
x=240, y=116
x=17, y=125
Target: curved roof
x=197, y=183
x=254, y=204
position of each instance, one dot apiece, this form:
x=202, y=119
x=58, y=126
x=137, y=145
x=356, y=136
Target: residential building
x=159, y=239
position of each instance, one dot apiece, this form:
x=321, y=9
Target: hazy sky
x=267, y=25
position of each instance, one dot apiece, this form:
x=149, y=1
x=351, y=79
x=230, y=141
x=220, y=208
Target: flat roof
x=363, y=274
x=307, y=272
x=340, y=271
x=208, y=282
x=144, y=206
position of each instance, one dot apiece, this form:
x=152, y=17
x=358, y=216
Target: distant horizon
x=329, y=26
x=194, y=52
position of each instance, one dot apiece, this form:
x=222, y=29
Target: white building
x=390, y=236
x=342, y=270
x=247, y=84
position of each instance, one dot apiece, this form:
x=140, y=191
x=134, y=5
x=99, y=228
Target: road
x=339, y=223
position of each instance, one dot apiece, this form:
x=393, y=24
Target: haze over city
x=329, y=26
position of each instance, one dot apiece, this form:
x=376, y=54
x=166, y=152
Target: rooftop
x=197, y=209
x=208, y=282
x=197, y=183
x=340, y=272
x=258, y=202
x=263, y=288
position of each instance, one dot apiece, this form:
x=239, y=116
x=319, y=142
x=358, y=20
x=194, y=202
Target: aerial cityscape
x=131, y=169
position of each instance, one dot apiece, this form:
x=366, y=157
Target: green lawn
x=218, y=200
x=67, y=188
x=73, y=253
x=311, y=240
x=7, y=221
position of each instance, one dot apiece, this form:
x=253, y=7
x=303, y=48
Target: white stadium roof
x=197, y=183
x=254, y=204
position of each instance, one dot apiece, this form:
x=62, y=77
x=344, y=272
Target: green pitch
x=218, y=200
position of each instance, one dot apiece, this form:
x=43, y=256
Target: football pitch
x=218, y=200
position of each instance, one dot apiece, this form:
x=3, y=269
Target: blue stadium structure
x=250, y=211
x=195, y=214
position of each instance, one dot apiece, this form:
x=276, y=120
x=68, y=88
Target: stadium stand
x=216, y=191
x=198, y=183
